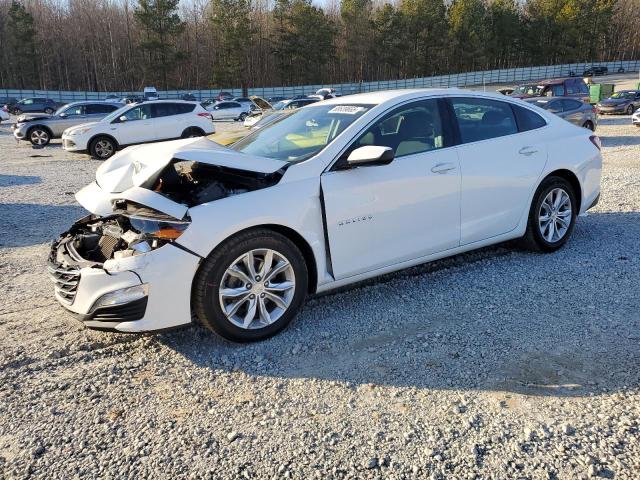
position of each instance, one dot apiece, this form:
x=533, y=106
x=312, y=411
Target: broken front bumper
x=140, y=293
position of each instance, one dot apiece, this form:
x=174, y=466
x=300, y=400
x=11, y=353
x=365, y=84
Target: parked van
x=150, y=93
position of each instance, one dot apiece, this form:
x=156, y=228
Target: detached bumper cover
x=168, y=271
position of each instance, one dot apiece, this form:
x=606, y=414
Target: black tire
x=48, y=111
x=192, y=132
x=589, y=124
x=102, y=148
x=207, y=282
x=629, y=110
x=242, y=116
x=39, y=136
x=533, y=239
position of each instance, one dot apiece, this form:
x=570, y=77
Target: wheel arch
x=98, y=135
x=573, y=180
x=39, y=125
x=192, y=128
x=298, y=240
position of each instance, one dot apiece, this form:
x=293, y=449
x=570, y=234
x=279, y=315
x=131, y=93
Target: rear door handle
x=443, y=167
x=527, y=151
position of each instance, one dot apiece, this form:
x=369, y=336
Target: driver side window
x=143, y=112
x=407, y=130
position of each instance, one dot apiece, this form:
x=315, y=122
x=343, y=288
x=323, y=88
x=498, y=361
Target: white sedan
x=335, y=193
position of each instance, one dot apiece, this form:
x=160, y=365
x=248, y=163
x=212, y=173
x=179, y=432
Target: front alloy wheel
x=257, y=289
x=629, y=110
x=251, y=286
x=39, y=137
x=102, y=148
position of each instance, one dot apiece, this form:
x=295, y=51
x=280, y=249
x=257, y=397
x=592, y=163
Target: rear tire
x=242, y=117
x=552, y=216
x=192, y=132
x=102, y=148
x=48, y=111
x=588, y=124
x=244, y=293
x=39, y=136
x=629, y=110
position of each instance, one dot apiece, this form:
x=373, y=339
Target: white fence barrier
x=510, y=75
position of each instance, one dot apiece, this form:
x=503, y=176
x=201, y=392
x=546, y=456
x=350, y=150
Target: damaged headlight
x=159, y=229
x=122, y=296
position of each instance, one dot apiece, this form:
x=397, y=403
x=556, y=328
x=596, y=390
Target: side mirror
x=370, y=155
x=122, y=118
x=63, y=115
x=216, y=108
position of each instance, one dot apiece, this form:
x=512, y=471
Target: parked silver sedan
x=39, y=129
x=571, y=109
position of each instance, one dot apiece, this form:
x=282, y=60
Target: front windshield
x=61, y=109
x=624, y=95
x=116, y=113
x=526, y=90
x=302, y=134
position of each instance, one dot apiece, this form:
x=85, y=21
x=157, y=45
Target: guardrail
x=468, y=79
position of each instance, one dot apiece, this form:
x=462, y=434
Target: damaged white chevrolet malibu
x=337, y=192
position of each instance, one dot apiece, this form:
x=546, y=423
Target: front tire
x=629, y=110
x=552, y=216
x=242, y=117
x=48, y=111
x=39, y=137
x=251, y=286
x=102, y=148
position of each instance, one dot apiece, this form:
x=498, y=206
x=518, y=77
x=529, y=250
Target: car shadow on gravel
x=26, y=224
x=497, y=319
x=17, y=180
x=617, y=120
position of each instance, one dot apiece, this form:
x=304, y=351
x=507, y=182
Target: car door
x=378, y=216
x=572, y=111
x=169, y=120
x=500, y=162
x=134, y=126
x=71, y=116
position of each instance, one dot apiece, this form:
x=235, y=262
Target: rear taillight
x=206, y=115
x=596, y=141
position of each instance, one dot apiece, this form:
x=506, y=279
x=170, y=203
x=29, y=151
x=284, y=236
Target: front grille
x=65, y=280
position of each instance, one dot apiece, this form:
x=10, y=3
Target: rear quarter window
x=184, y=108
x=527, y=120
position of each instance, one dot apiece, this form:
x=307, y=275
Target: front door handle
x=527, y=151
x=443, y=167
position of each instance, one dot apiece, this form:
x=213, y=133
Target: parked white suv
x=230, y=110
x=139, y=123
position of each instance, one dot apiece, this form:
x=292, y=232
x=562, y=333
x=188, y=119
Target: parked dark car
x=557, y=87
x=571, y=109
x=224, y=96
x=595, y=70
x=624, y=101
x=506, y=90
x=8, y=101
x=34, y=105
x=189, y=97
x=275, y=99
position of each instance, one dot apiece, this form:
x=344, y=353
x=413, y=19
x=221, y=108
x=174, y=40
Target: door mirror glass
x=370, y=155
x=123, y=118
x=63, y=115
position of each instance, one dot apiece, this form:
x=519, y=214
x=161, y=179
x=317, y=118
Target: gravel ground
x=497, y=364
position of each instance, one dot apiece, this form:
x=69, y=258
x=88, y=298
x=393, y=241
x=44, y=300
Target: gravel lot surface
x=497, y=364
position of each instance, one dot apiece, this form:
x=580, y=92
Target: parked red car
x=557, y=87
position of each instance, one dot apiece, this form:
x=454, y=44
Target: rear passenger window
x=164, y=109
x=527, y=120
x=481, y=119
x=100, y=108
x=568, y=105
x=184, y=108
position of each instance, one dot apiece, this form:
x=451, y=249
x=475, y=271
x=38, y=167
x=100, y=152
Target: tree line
x=123, y=45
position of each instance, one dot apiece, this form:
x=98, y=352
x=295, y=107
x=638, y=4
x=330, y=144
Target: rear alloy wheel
x=629, y=110
x=193, y=132
x=251, y=287
x=102, y=148
x=48, y=111
x=39, y=137
x=242, y=117
x=589, y=125
x=552, y=216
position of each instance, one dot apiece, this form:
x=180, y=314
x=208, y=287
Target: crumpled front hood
x=131, y=167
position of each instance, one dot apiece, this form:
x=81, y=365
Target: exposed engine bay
x=93, y=240
x=194, y=183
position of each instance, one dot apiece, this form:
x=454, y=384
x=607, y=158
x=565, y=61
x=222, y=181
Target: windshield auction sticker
x=348, y=109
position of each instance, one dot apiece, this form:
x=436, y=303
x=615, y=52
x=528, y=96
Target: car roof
x=384, y=96
x=92, y=102
x=556, y=81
